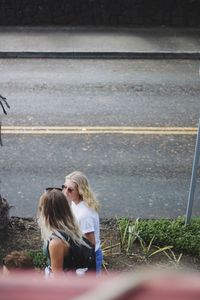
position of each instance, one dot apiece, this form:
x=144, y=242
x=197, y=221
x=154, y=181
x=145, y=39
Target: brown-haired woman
x=56, y=221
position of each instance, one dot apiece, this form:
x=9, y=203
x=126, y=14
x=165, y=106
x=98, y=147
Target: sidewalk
x=90, y=42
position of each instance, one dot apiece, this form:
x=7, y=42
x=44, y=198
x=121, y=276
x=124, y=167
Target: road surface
x=134, y=173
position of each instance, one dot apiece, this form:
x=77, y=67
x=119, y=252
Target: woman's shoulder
x=61, y=238
x=82, y=211
x=89, y=213
x=55, y=242
x=87, y=209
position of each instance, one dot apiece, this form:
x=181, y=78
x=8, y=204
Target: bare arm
x=57, y=250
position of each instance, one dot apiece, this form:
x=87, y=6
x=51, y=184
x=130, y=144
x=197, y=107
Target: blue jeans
x=99, y=260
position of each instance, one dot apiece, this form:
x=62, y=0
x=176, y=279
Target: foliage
x=173, y=258
x=149, y=250
x=153, y=236
x=39, y=260
x=123, y=225
x=106, y=251
x=173, y=232
x=133, y=235
x=163, y=232
x=129, y=233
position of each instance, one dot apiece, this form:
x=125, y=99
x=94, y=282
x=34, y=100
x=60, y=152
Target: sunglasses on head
x=53, y=188
x=69, y=190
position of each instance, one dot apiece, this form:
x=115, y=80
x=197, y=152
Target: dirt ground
x=24, y=234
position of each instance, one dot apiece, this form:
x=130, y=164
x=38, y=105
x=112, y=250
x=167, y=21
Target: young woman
x=59, y=230
x=85, y=208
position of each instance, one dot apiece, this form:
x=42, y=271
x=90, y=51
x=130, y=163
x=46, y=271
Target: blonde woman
x=85, y=208
x=59, y=231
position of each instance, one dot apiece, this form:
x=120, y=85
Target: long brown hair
x=54, y=215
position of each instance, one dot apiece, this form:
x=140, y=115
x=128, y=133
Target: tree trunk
x=4, y=214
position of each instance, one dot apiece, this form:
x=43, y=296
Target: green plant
x=130, y=232
x=133, y=235
x=173, y=232
x=123, y=225
x=39, y=260
x=173, y=259
x=106, y=250
x=148, y=250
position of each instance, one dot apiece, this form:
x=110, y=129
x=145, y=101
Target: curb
x=193, y=55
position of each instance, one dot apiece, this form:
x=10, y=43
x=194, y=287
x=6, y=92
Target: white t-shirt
x=88, y=220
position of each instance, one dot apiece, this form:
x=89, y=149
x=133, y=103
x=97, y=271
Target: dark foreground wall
x=101, y=12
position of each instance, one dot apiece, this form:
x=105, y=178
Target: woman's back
x=59, y=230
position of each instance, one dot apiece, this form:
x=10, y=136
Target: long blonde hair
x=54, y=215
x=84, y=189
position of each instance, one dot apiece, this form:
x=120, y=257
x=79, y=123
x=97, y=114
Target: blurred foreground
x=148, y=285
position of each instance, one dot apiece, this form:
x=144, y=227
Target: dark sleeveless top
x=67, y=263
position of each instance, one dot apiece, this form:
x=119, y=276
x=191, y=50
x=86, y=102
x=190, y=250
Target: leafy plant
x=130, y=232
x=39, y=260
x=123, y=225
x=148, y=250
x=133, y=235
x=106, y=250
x=174, y=260
x=173, y=232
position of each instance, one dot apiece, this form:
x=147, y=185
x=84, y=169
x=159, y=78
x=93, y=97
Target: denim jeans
x=99, y=260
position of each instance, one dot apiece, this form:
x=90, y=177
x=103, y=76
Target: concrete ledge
x=193, y=55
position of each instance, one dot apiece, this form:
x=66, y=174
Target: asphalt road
x=135, y=175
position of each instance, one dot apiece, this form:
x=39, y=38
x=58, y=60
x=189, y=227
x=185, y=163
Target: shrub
x=173, y=232
x=39, y=260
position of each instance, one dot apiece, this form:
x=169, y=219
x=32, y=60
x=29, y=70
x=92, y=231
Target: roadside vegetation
x=163, y=232
x=169, y=237
x=144, y=240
